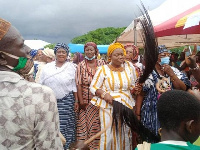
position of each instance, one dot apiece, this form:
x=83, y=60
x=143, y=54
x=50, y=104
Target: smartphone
x=189, y=52
x=198, y=48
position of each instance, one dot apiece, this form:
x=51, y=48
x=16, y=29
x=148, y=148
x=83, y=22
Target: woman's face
x=43, y=58
x=90, y=51
x=61, y=55
x=117, y=57
x=75, y=59
x=162, y=55
x=129, y=53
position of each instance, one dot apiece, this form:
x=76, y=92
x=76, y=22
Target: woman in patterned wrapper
x=88, y=116
x=163, y=78
x=113, y=82
x=59, y=75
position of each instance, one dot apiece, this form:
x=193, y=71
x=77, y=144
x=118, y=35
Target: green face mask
x=21, y=66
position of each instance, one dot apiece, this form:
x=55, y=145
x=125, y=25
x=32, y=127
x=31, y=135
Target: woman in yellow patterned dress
x=113, y=82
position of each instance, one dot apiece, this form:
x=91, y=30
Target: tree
x=101, y=36
x=50, y=46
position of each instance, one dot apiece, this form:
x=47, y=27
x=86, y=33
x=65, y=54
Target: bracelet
x=172, y=79
x=196, y=68
x=103, y=94
x=138, y=115
x=76, y=101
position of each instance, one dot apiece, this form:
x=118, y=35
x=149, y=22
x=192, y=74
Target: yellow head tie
x=4, y=26
x=113, y=47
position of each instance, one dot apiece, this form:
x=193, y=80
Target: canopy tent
x=176, y=23
x=35, y=44
x=80, y=48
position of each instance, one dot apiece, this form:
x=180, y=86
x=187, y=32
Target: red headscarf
x=135, y=50
x=91, y=44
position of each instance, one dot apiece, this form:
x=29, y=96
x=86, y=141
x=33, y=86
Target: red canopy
x=175, y=25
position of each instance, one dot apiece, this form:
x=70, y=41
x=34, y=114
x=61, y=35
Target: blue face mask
x=164, y=60
x=90, y=58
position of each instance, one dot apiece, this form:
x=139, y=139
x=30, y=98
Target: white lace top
x=60, y=80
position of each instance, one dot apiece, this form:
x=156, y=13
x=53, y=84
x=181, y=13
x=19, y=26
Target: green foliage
x=180, y=49
x=101, y=36
x=50, y=46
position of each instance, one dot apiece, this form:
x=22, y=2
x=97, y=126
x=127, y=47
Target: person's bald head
x=11, y=42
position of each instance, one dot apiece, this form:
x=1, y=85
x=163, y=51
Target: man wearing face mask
x=28, y=113
x=162, y=79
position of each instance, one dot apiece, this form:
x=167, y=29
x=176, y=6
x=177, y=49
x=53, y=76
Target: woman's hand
x=108, y=98
x=83, y=106
x=138, y=117
x=138, y=88
x=168, y=70
x=191, y=61
x=76, y=107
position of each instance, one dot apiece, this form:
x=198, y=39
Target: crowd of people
x=50, y=102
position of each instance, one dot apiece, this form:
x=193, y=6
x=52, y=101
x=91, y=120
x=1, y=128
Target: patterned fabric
x=4, y=26
x=149, y=116
x=110, y=140
x=60, y=79
x=63, y=46
x=28, y=115
x=87, y=121
x=162, y=48
x=36, y=63
x=33, y=53
x=118, y=85
x=67, y=118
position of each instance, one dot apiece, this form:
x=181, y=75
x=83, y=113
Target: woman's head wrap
x=49, y=53
x=63, y=46
x=134, y=49
x=80, y=56
x=113, y=47
x=33, y=53
x=91, y=44
x=162, y=48
x=4, y=27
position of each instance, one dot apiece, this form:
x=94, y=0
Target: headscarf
x=113, y=47
x=4, y=27
x=49, y=52
x=61, y=45
x=91, y=44
x=162, y=48
x=33, y=53
x=134, y=49
x=80, y=56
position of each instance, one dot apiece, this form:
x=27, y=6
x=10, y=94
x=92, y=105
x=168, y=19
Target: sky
x=62, y=20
